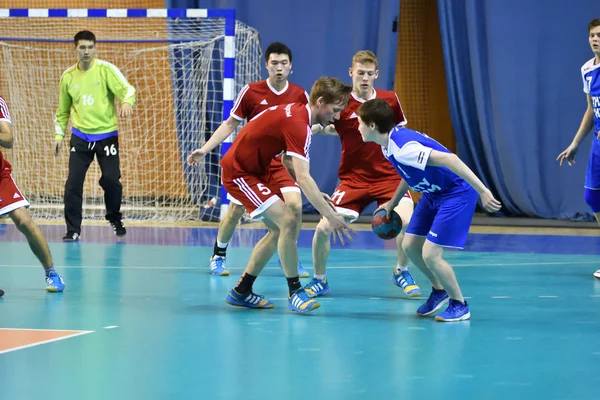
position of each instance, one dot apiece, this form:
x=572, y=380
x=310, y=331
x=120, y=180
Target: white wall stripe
x=197, y=13
x=116, y=12
x=156, y=13
x=77, y=13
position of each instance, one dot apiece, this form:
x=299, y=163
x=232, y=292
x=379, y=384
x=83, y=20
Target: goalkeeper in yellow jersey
x=87, y=94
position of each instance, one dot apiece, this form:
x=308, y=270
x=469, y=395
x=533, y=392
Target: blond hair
x=365, y=57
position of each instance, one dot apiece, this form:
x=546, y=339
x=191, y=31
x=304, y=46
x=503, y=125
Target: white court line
x=111, y=327
x=276, y=268
x=548, y=297
x=500, y=297
x=43, y=342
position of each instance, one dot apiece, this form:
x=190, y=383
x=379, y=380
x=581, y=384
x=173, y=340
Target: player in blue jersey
x=590, y=73
x=443, y=215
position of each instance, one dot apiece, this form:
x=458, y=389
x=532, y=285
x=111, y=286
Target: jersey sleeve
x=398, y=112
x=586, y=84
x=297, y=136
x=118, y=84
x=240, y=107
x=305, y=99
x=64, y=107
x=4, y=111
x=413, y=154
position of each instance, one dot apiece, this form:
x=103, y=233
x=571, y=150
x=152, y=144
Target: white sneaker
x=597, y=274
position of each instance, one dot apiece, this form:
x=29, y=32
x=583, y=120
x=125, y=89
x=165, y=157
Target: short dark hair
x=332, y=90
x=378, y=112
x=84, y=35
x=277, y=48
x=594, y=23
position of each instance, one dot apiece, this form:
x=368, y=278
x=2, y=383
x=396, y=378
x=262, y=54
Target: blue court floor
x=142, y=318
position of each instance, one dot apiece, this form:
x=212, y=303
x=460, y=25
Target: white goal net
x=176, y=65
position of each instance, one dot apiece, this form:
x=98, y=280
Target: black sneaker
x=1, y=292
x=120, y=230
x=71, y=237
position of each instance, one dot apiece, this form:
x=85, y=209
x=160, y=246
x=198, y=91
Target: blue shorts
x=444, y=219
x=592, y=173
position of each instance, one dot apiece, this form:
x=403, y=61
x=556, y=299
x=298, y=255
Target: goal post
x=187, y=66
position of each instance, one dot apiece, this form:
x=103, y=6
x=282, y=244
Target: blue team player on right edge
x=443, y=215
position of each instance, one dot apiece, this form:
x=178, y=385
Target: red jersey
x=5, y=167
x=256, y=97
x=364, y=162
x=279, y=129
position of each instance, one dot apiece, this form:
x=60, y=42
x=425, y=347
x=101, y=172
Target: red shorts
x=352, y=198
x=256, y=194
x=11, y=197
x=279, y=176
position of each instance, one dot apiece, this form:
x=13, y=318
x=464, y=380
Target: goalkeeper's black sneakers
x=71, y=237
x=118, y=227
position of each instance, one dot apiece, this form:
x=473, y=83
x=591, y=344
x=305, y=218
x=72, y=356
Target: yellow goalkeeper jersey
x=89, y=98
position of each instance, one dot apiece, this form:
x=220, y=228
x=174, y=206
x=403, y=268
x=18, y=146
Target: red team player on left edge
x=13, y=203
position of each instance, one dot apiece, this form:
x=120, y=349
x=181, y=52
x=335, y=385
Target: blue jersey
x=590, y=73
x=408, y=151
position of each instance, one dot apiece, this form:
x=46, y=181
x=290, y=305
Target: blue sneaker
x=300, y=302
x=456, y=311
x=435, y=301
x=217, y=266
x=317, y=287
x=54, y=283
x=302, y=273
x=405, y=281
x=249, y=300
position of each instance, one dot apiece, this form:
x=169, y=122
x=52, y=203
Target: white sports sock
x=222, y=245
x=320, y=277
x=400, y=268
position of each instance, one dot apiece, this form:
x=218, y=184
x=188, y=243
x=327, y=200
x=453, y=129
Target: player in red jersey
x=253, y=99
x=13, y=203
x=365, y=176
x=281, y=130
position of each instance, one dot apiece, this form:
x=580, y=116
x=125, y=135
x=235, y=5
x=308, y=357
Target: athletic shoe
x=405, y=281
x=118, y=227
x=71, y=237
x=55, y=283
x=456, y=311
x=249, y=300
x=217, y=266
x=435, y=301
x=300, y=302
x=317, y=287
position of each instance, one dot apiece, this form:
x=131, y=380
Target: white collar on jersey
x=282, y=91
x=363, y=100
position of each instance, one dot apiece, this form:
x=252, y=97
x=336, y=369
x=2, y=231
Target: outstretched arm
x=222, y=133
x=456, y=165
x=313, y=194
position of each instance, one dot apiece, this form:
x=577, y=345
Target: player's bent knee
x=22, y=220
x=288, y=224
x=235, y=211
x=323, y=228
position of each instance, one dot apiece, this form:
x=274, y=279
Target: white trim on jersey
x=130, y=89
x=5, y=111
x=589, y=66
x=404, y=121
x=282, y=91
x=238, y=101
x=361, y=100
x=412, y=153
x=307, y=96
